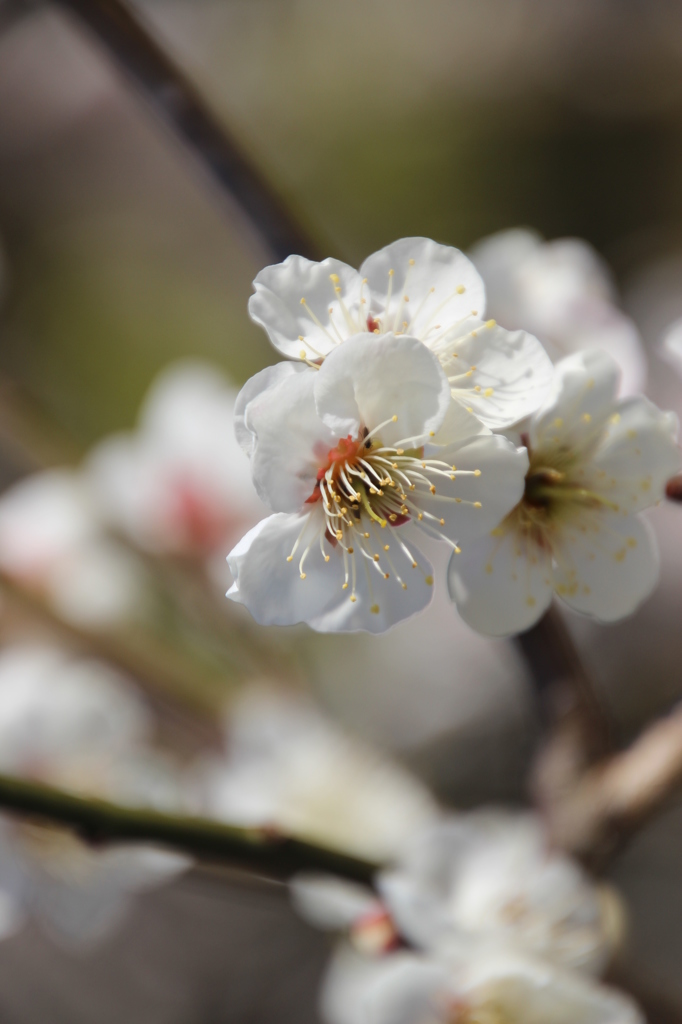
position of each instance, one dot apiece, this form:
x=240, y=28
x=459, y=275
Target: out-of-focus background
x=373, y=120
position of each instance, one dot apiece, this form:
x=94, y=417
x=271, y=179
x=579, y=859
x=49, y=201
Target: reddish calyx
x=346, y=453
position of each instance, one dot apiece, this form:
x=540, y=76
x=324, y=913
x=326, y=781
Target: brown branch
x=262, y=852
x=175, y=100
x=611, y=800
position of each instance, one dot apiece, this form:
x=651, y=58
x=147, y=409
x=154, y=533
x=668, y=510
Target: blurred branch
x=257, y=850
x=595, y=816
x=180, y=105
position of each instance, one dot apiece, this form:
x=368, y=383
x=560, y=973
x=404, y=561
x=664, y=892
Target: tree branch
x=180, y=106
x=261, y=851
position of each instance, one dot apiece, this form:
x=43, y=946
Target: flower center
x=363, y=486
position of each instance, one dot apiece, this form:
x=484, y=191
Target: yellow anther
x=386, y=546
x=385, y=575
x=406, y=298
x=432, y=488
x=302, y=353
x=335, y=278
x=290, y=558
x=477, y=472
x=404, y=586
x=428, y=580
x=339, y=535
x=460, y=289
x=469, y=408
x=391, y=273
x=474, y=312
x=530, y=601
x=400, y=451
x=344, y=586
x=586, y=418
x=351, y=551
x=420, y=516
x=303, y=302
x=366, y=536
x=414, y=565
x=432, y=433
x=477, y=504
x=477, y=387
x=302, y=575
x=458, y=551
x=442, y=522
x=376, y=558
x=394, y=419
x=491, y=323
x=326, y=558
x=353, y=598
x=489, y=392
x=374, y=609
x=393, y=517
x=474, y=334
x=411, y=263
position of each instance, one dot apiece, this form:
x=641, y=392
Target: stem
x=260, y=851
x=180, y=106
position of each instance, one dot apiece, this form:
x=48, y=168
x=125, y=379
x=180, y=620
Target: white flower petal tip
x=671, y=345
x=352, y=457
x=562, y=292
x=595, y=462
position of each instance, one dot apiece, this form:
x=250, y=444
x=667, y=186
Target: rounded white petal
x=431, y=286
x=499, y=586
x=330, y=903
x=498, y=258
x=671, y=346
x=501, y=375
x=272, y=589
x=637, y=455
x=372, y=378
x=580, y=401
x=609, y=569
x=100, y=585
x=485, y=499
x=290, y=441
x=312, y=329
x=615, y=334
x=255, y=386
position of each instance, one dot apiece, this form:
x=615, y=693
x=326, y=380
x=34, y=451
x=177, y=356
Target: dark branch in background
x=259, y=851
x=673, y=489
x=176, y=101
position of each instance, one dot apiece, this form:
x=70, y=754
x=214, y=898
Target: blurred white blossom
x=290, y=768
x=561, y=291
x=367, y=441
x=469, y=986
x=671, y=347
x=412, y=287
x=52, y=544
x=79, y=725
x=179, y=484
x=490, y=875
x=595, y=463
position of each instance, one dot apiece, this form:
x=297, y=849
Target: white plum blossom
x=671, y=347
x=354, y=459
x=561, y=291
x=79, y=725
x=595, y=463
x=288, y=767
x=52, y=544
x=180, y=484
x=469, y=986
x=490, y=875
x=414, y=287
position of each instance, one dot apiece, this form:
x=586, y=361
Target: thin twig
x=179, y=104
x=261, y=851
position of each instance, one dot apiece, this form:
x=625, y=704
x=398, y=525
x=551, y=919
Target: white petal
x=442, y=286
x=499, y=586
x=498, y=258
x=458, y=427
x=510, y=370
x=272, y=590
x=255, y=386
x=671, y=346
x=269, y=585
x=615, y=334
x=330, y=903
x=638, y=455
x=608, y=573
x=499, y=487
x=289, y=441
x=580, y=401
x=276, y=305
x=372, y=378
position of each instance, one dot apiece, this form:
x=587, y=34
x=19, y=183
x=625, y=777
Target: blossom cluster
x=402, y=411
x=475, y=918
